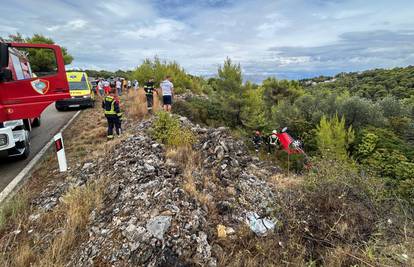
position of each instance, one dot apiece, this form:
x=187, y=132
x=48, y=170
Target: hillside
x=173, y=193
x=373, y=84
x=190, y=190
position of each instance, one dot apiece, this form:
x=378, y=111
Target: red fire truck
x=26, y=92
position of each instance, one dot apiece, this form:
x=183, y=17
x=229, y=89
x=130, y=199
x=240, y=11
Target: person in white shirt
x=129, y=84
x=136, y=84
x=100, y=87
x=118, y=85
x=167, y=89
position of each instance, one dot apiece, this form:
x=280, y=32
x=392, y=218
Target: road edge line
x=9, y=190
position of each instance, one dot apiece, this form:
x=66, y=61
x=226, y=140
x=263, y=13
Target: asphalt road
x=52, y=122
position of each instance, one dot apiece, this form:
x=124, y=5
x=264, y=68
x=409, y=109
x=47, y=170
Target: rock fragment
x=157, y=226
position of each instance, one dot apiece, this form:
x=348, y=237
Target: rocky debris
x=158, y=226
x=149, y=219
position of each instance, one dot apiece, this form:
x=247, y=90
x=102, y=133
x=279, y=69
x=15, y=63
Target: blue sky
x=282, y=38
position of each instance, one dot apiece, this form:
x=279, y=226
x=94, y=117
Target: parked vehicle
x=24, y=94
x=81, y=93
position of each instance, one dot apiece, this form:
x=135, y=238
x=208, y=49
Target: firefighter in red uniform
x=113, y=114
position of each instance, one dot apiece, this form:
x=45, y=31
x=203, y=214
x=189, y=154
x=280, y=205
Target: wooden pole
x=288, y=162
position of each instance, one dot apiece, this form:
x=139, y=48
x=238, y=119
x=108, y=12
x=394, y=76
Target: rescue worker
x=112, y=112
x=149, y=92
x=257, y=140
x=272, y=142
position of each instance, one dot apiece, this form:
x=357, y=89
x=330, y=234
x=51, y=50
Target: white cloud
x=163, y=29
x=72, y=25
x=284, y=36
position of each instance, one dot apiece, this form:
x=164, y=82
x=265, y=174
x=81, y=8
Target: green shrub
x=158, y=69
x=405, y=189
x=293, y=162
x=387, y=139
x=404, y=170
x=181, y=137
x=202, y=111
x=179, y=90
x=167, y=130
x=163, y=125
x=333, y=138
x=367, y=145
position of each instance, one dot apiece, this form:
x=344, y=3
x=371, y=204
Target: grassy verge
x=32, y=236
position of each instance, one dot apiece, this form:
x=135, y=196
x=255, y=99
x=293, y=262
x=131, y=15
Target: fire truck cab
x=25, y=92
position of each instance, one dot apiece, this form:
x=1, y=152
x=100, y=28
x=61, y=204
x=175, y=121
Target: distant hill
x=372, y=84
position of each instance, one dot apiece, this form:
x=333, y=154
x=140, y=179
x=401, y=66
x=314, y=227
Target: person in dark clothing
x=113, y=114
x=149, y=92
x=257, y=141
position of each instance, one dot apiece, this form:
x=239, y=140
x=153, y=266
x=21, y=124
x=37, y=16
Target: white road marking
x=10, y=189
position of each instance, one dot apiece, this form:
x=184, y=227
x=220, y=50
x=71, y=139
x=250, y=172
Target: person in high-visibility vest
x=112, y=112
x=273, y=142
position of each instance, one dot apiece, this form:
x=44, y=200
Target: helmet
x=274, y=132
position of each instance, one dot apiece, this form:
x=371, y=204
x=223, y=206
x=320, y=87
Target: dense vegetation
x=366, y=118
x=358, y=129
x=158, y=69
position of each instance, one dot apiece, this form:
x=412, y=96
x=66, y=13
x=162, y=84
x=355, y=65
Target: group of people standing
x=272, y=141
x=104, y=85
x=110, y=91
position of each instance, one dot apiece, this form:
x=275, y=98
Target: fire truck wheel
x=36, y=122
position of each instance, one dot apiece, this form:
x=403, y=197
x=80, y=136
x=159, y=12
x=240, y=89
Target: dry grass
x=88, y=137
x=189, y=160
x=327, y=218
x=24, y=255
x=137, y=107
x=13, y=209
x=58, y=232
x=282, y=181
x=184, y=156
x=77, y=205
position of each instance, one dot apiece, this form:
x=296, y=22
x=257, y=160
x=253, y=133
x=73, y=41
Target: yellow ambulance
x=80, y=90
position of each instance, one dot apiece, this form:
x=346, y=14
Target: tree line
x=364, y=117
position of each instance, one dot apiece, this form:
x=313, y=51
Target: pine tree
x=230, y=91
x=253, y=110
x=333, y=138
